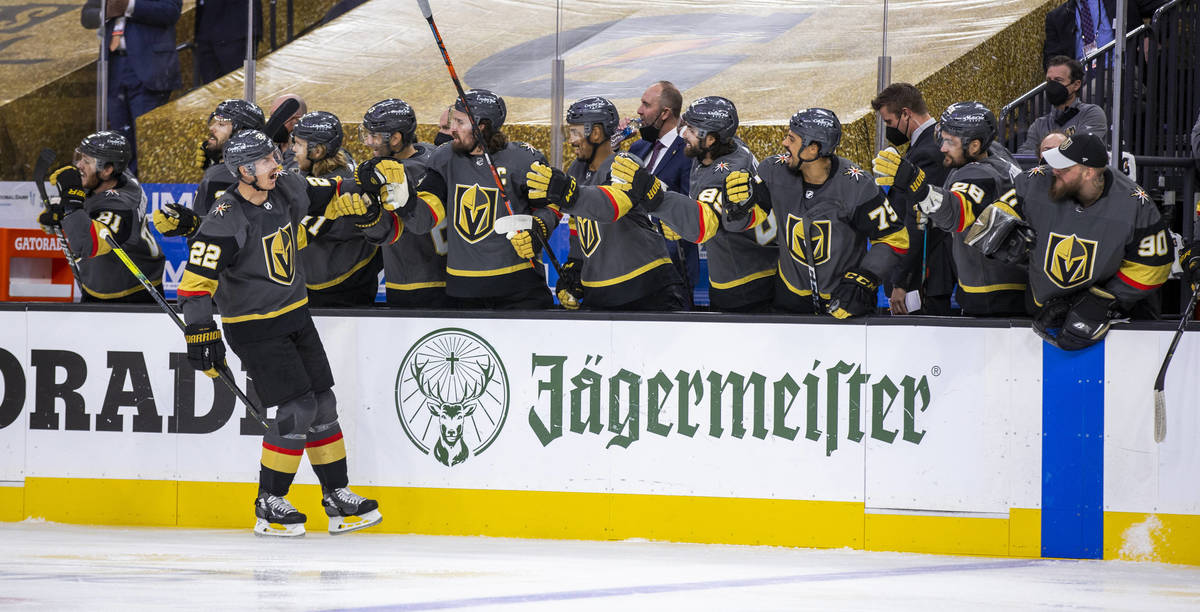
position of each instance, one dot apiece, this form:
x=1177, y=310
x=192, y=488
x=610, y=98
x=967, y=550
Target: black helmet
x=593, y=110
x=484, y=105
x=107, y=148
x=320, y=128
x=246, y=147
x=712, y=115
x=820, y=126
x=244, y=115
x=969, y=121
x=389, y=116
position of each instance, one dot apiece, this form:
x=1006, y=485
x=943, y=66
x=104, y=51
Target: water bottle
x=633, y=127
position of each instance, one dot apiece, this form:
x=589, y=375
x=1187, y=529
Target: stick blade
x=1160, y=415
x=274, y=127
x=42, y=166
x=425, y=10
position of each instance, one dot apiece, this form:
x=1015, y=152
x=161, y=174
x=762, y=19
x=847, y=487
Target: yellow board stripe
x=743, y=280
x=624, y=277
x=497, y=272
x=358, y=266
x=269, y=315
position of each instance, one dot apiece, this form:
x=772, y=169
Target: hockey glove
x=206, y=351
x=854, y=295
x=51, y=217
x=741, y=194
x=175, y=220
x=644, y=188
x=1048, y=321
x=203, y=159
x=1189, y=260
x=525, y=244
x=383, y=178
x=570, y=284
x=893, y=170
x=69, y=182
x=669, y=233
x=550, y=186
x=1087, y=321
x=1001, y=234
x=362, y=210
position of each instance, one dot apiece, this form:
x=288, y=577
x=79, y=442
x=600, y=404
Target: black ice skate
x=277, y=517
x=349, y=511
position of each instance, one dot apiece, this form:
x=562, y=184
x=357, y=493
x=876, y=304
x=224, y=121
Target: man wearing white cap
x=1093, y=240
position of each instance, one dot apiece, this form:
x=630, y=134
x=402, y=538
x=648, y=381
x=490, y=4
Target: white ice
x=47, y=566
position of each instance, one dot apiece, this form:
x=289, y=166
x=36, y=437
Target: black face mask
x=895, y=135
x=441, y=139
x=1056, y=93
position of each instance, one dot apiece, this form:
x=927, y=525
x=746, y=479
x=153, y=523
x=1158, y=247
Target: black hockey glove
x=855, y=294
x=384, y=180
x=891, y=169
x=1087, y=321
x=202, y=157
x=550, y=186
x=570, y=284
x=206, y=351
x=175, y=220
x=1048, y=321
x=644, y=189
x=742, y=193
x=1189, y=260
x=71, y=195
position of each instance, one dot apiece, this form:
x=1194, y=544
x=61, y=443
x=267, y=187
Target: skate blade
x=345, y=524
x=264, y=528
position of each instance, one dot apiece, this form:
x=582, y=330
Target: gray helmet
x=320, y=128
x=593, y=110
x=484, y=105
x=969, y=121
x=712, y=115
x=246, y=147
x=244, y=115
x=820, y=126
x=389, y=116
x=107, y=148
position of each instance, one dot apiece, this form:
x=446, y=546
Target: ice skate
x=277, y=517
x=349, y=511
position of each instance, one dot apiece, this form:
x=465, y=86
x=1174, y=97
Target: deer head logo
x=454, y=379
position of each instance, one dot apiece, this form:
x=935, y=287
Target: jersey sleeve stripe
x=1142, y=276
x=897, y=240
x=708, y=222
x=966, y=214
x=619, y=199
x=193, y=284
x=435, y=206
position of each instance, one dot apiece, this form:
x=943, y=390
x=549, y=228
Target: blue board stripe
x=1073, y=452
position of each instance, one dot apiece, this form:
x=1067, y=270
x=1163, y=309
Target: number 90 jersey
x=838, y=218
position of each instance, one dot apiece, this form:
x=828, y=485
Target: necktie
x=117, y=32
x=658, y=147
x=1087, y=29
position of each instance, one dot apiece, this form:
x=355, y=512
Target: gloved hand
x=525, y=244
x=71, y=195
x=550, y=186
x=893, y=170
x=206, y=351
x=383, y=178
x=643, y=188
x=361, y=209
x=570, y=284
x=669, y=233
x=202, y=159
x=1189, y=260
x=854, y=295
x=175, y=220
x=740, y=194
x=1087, y=320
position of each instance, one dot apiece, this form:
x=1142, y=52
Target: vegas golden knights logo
x=476, y=211
x=588, y=232
x=1070, y=260
x=279, y=252
x=818, y=242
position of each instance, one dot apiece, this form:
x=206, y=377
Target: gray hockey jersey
x=122, y=210
x=216, y=180
x=336, y=249
x=461, y=190
x=1120, y=242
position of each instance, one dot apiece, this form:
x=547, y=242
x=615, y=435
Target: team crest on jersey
x=818, y=241
x=1141, y=195
x=1037, y=171
x=721, y=167
x=588, y=232
x=783, y=158
x=279, y=252
x=1070, y=260
x=221, y=209
x=476, y=211
x=854, y=172
x=529, y=147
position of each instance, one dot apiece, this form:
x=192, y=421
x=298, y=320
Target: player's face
x=577, y=137
x=266, y=170
x=300, y=151
x=1067, y=182
x=89, y=169
x=219, y=131
x=460, y=131
x=692, y=149
x=794, y=145
x=952, y=149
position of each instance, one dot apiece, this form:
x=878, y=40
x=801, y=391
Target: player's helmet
x=712, y=115
x=244, y=115
x=389, y=116
x=107, y=148
x=969, y=121
x=593, y=110
x=246, y=147
x=320, y=128
x=484, y=105
x=820, y=126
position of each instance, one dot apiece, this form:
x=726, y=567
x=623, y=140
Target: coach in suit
x=907, y=118
x=143, y=65
x=1078, y=26
x=661, y=148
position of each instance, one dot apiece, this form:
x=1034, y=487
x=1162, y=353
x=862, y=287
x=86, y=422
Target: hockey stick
x=1160, y=397
x=40, y=169
x=812, y=271
x=286, y=109
x=222, y=371
x=462, y=95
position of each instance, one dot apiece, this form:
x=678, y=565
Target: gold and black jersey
x=121, y=211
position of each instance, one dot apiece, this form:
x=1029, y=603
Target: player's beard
x=461, y=147
x=694, y=151
x=1061, y=190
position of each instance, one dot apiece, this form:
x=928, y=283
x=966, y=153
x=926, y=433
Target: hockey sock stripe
x=326, y=451
x=281, y=459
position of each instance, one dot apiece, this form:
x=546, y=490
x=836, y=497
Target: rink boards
x=974, y=439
